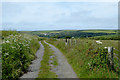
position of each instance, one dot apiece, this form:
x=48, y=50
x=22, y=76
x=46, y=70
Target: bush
x=7, y=33
x=17, y=53
x=99, y=59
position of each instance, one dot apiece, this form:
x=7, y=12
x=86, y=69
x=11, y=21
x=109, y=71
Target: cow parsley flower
x=89, y=64
x=105, y=47
x=13, y=47
x=7, y=41
x=6, y=54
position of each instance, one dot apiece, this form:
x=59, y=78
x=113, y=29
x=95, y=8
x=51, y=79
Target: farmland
x=71, y=33
x=100, y=31
x=87, y=53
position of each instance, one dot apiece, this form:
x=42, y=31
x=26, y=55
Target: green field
x=100, y=31
x=58, y=31
x=72, y=33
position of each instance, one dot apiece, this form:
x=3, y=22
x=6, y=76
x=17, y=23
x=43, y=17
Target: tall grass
x=81, y=55
x=18, y=50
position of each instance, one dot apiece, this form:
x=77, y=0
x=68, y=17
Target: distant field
x=71, y=33
x=46, y=31
x=100, y=31
x=107, y=37
x=58, y=31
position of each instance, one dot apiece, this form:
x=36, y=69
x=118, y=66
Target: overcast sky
x=59, y=15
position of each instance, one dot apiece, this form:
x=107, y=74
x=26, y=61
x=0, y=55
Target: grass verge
x=79, y=57
x=45, y=69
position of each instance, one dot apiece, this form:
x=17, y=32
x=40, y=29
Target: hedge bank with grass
x=18, y=50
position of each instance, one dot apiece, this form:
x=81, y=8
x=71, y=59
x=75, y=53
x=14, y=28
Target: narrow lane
x=33, y=69
x=63, y=70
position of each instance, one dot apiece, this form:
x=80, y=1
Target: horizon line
x=59, y=29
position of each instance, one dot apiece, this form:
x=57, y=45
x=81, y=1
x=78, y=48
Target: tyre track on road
x=63, y=70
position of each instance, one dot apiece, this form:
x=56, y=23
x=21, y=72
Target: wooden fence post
x=71, y=41
x=66, y=42
x=110, y=55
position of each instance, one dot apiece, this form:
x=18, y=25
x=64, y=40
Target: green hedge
x=18, y=50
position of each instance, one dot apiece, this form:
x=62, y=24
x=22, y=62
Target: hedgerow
x=18, y=50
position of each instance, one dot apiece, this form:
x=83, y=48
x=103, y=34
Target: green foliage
x=67, y=37
x=99, y=59
x=87, y=58
x=7, y=33
x=17, y=53
x=41, y=38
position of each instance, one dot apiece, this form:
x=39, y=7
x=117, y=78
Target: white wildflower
x=105, y=47
x=13, y=47
x=14, y=40
x=6, y=54
x=89, y=64
x=7, y=41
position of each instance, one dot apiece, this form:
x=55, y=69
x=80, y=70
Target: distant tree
x=67, y=37
x=57, y=37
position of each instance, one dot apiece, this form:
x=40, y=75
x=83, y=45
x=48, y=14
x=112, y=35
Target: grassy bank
x=45, y=69
x=18, y=50
x=82, y=56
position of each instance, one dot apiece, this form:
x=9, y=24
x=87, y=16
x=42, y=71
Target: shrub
x=17, y=53
x=99, y=59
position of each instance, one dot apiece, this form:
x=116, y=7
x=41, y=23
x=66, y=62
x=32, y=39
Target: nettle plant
x=99, y=59
x=16, y=55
